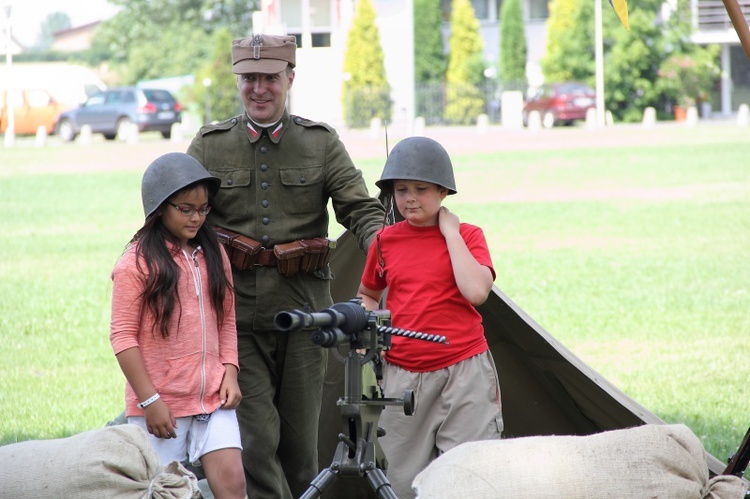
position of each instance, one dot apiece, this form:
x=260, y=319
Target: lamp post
x=10, y=130
x=207, y=85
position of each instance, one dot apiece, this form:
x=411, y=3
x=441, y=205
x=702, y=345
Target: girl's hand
x=229, y=391
x=160, y=421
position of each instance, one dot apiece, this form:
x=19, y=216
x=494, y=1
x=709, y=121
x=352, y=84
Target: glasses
x=189, y=212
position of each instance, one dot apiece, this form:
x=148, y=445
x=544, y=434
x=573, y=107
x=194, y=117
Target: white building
x=321, y=28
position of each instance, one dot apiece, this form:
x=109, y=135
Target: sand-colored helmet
x=170, y=173
x=418, y=158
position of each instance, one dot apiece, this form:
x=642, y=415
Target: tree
x=158, y=38
x=631, y=59
x=56, y=21
x=429, y=52
x=429, y=59
x=512, y=43
x=569, y=52
x=222, y=93
x=464, y=102
x=366, y=92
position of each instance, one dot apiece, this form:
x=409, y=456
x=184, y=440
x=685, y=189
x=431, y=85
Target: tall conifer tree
x=366, y=91
x=464, y=102
x=512, y=43
x=429, y=52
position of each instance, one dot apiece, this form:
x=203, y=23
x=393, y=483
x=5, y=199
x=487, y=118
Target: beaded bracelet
x=149, y=401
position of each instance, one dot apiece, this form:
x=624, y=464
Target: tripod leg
x=380, y=484
x=320, y=484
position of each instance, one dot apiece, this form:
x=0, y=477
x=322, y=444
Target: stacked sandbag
x=650, y=461
x=116, y=462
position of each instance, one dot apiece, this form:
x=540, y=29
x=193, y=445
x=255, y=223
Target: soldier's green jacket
x=275, y=188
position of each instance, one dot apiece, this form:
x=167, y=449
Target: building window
x=538, y=9
x=484, y=10
x=322, y=39
x=320, y=21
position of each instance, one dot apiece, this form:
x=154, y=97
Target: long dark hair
x=160, y=295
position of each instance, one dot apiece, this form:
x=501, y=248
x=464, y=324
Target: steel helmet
x=418, y=158
x=170, y=173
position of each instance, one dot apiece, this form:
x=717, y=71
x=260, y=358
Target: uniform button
x=230, y=182
x=302, y=180
x=234, y=121
x=266, y=220
x=264, y=185
x=263, y=149
x=265, y=203
x=297, y=120
x=265, y=239
x=264, y=168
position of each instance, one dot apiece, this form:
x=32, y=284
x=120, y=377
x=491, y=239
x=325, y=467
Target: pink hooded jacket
x=187, y=367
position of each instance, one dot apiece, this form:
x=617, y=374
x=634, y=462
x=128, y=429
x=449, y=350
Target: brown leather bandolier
x=304, y=255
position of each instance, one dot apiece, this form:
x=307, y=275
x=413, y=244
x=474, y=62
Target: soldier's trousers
x=281, y=377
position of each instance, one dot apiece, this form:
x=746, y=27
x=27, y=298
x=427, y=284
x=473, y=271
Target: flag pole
x=599, y=63
x=739, y=23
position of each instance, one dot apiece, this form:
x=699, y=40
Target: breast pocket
x=232, y=196
x=303, y=190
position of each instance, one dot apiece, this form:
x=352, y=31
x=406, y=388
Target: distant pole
x=10, y=130
x=207, y=85
x=599, y=62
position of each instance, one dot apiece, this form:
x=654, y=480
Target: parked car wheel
x=123, y=128
x=548, y=121
x=167, y=134
x=65, y=131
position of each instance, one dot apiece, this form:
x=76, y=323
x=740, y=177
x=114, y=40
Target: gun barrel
x=297, y=319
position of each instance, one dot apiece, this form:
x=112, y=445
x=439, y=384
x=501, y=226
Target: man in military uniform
x=278, y=172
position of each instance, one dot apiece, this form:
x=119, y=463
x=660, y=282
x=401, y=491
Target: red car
x=560, y=103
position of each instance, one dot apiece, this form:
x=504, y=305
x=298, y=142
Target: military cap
x=267, y=54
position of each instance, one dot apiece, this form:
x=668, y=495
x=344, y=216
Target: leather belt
x=266, y=258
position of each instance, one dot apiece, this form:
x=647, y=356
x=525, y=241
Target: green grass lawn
x=633, y=257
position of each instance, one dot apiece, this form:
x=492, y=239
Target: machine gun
x=739, y=461
x=366, y=334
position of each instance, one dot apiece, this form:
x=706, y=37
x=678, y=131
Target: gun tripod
x=358, y=453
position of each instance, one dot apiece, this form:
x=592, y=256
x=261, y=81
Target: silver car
x=114, y=111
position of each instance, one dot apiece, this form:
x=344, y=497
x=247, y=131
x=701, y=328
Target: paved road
x=26, y=157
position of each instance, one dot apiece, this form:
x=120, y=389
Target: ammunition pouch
x=303, y=255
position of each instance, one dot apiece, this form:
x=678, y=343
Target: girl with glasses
x=173, y=326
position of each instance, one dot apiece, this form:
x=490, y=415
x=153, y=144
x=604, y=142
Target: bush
x=687, y=78
x=363, y=103
x=464, y=103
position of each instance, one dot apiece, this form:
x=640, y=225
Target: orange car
x=32, y=108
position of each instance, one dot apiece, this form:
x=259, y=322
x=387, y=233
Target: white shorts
x=195, y=438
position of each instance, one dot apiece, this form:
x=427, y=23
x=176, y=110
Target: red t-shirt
x=423, y=295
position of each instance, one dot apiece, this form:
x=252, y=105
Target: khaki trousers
x=457, y=404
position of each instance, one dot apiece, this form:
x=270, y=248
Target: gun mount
x=366, y=334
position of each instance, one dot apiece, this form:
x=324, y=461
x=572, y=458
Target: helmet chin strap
x=388, y=219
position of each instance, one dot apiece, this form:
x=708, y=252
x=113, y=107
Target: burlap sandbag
x=116, y=462
x=651, y=461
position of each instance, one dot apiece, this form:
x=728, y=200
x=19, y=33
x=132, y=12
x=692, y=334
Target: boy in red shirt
x=436, y=270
